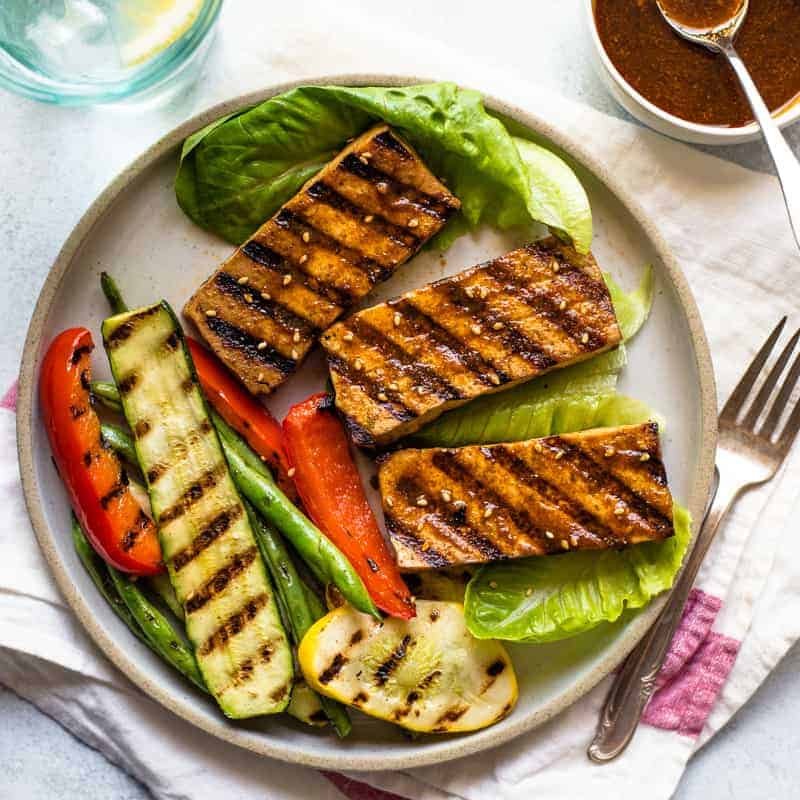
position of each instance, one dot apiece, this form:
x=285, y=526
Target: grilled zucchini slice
x=427, y=674
x=210, y=551
x=306, y=707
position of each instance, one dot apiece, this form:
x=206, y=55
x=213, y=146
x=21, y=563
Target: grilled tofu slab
x=400, y=364
x=366, y=213
x=580, y=491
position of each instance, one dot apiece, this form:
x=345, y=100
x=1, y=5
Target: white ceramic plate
x=136, y=231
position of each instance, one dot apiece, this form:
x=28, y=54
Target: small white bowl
x=658, y=119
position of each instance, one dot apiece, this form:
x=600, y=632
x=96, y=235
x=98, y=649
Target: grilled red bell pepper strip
x=94, y=476
x=330, y=488
x=244, y=414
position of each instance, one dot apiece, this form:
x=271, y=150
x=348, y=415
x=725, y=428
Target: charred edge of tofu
x=399, y=365
x=596, y=489
x=368, y=211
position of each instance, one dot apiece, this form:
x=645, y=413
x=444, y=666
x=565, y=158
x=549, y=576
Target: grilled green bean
x=112, y=293
x=119, y=440
x=303, y=608
x=135, y=610
x=161, y=586
x=157, y=629
x=98, y=572
x=324, y=559
x=106, y=393
x=284, y=576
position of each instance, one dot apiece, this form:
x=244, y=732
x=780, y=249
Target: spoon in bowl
x=718, y=38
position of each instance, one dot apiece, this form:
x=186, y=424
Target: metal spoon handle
x=786, y=164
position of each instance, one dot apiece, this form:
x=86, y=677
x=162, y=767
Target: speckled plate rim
x=420, y=755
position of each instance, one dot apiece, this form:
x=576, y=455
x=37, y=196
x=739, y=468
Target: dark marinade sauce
x=691, y=82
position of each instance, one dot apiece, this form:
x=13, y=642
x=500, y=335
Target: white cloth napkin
x=728, y=230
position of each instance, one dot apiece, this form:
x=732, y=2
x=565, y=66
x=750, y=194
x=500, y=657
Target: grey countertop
x=48, y=183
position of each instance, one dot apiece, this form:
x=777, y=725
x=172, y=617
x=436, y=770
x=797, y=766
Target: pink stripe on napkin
x=355, y=790
x=9, y=401
x=683, y=705
x=698, y=616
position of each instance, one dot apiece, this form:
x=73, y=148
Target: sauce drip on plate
x=691, y=82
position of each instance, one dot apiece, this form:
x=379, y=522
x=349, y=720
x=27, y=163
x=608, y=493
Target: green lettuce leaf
x=235, y=174
x=557, y=197
x=536, y=600
x=572, y=399
x=632, y=308
x=568, y=399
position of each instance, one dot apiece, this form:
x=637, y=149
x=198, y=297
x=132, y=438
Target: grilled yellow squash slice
x=426, y=674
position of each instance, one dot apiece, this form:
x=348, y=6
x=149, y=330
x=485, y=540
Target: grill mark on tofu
x=131, y=536
x=385, y=139
x=448, y=522
x=605, y=482
x=374, y=271
x=193, y=494
x=218, y=582
x=210, y=533
x=403, y=534
x=400, y=361
x=123, y=331
x=234, y=624
x=567, y=322
x=449, y=462
x=321, y=192
x=593, y=527
x=425, y=203
x=346, y=369
x=451, y=347
x=358, y=433
x=592, y=289
x=384, y=670
x=279, y=314
x=513, y=340
x=235, y=338
x=264, y=255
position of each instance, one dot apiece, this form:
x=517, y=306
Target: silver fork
x=749, y=453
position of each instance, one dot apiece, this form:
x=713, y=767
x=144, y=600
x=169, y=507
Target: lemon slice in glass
x=149, y=26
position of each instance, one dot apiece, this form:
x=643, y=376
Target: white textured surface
x=50, y=171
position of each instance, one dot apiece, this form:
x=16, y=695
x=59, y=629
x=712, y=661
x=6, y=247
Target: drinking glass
x=75, y=52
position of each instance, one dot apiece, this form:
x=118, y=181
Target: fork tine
x=764, y=393
x=788, y=434
x=739, y=394
x=779, y=404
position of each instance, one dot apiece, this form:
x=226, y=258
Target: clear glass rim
x=161, y=67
